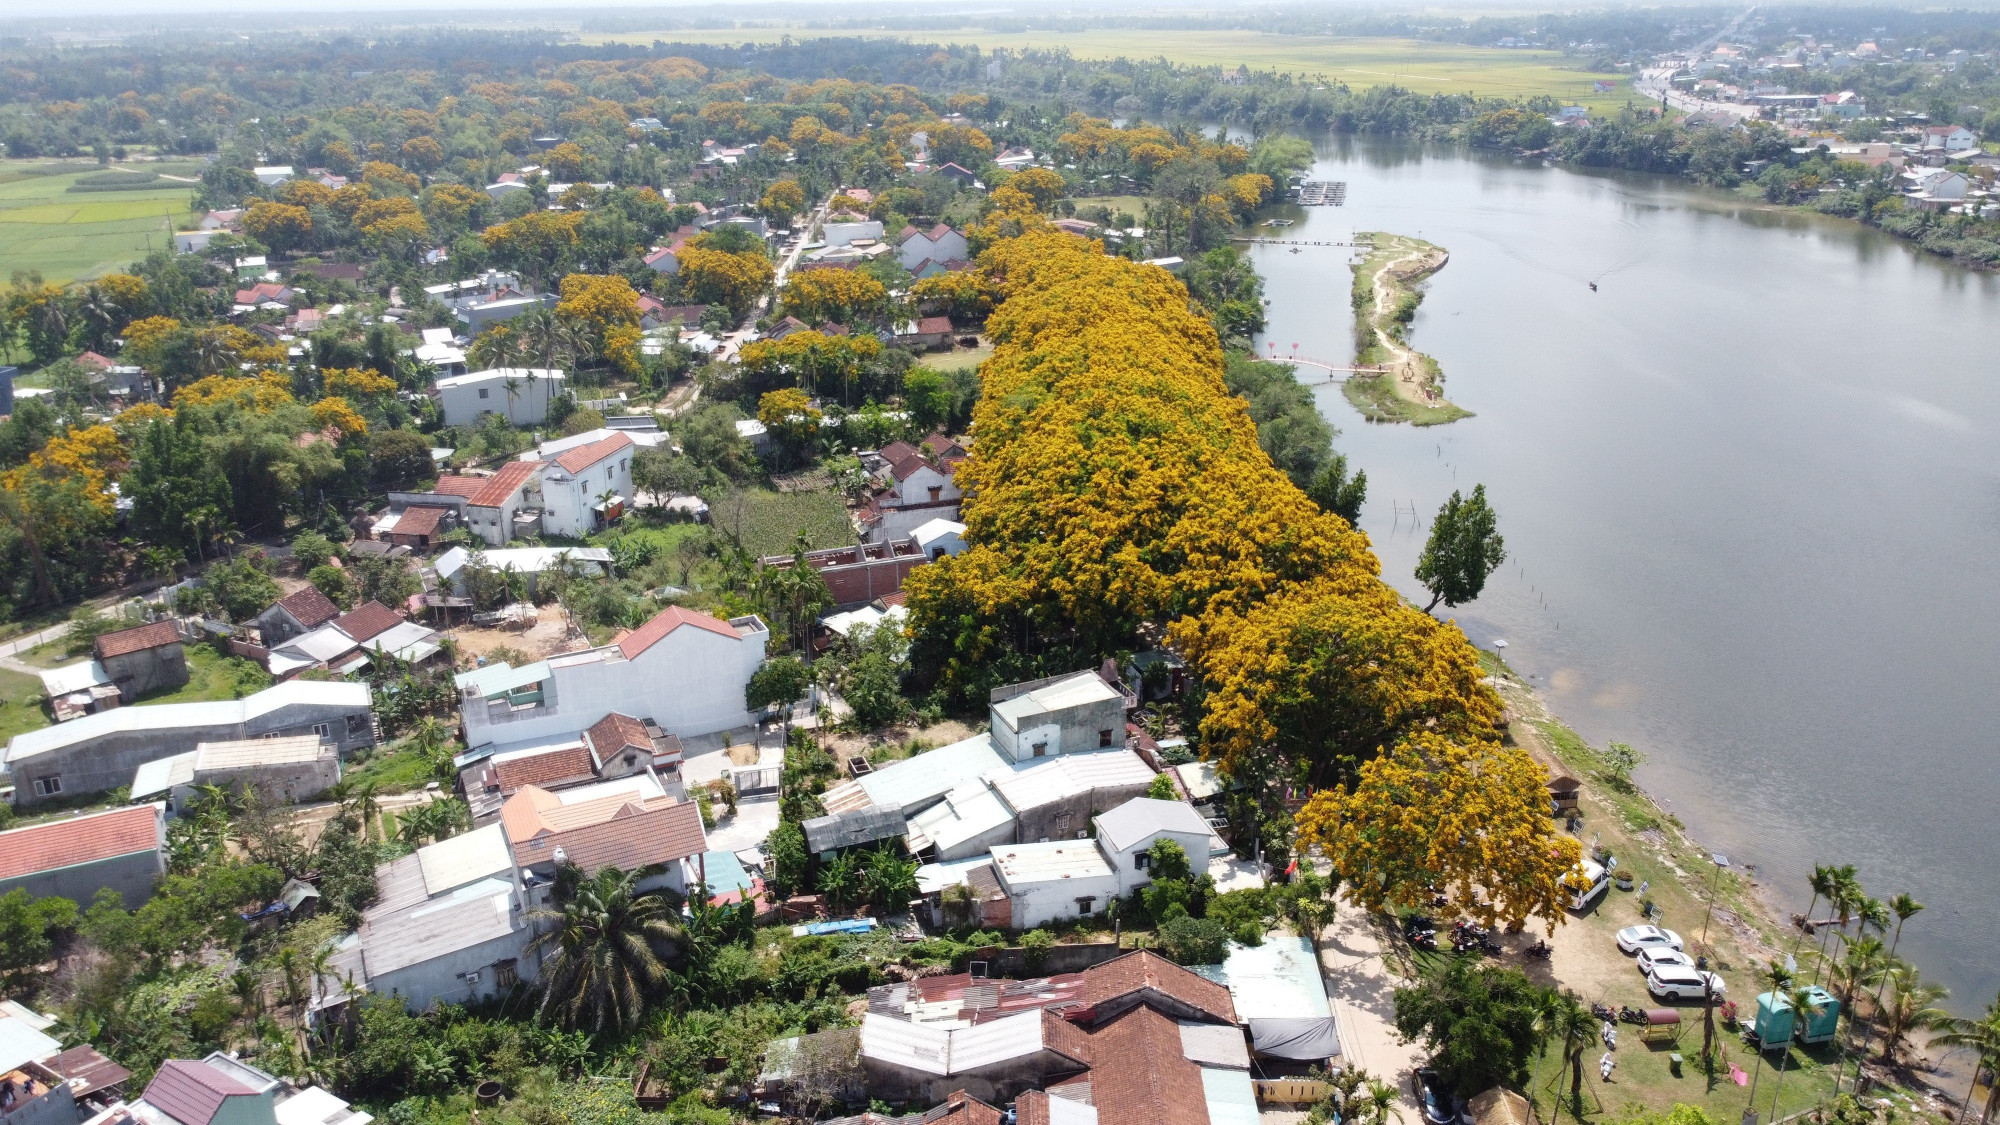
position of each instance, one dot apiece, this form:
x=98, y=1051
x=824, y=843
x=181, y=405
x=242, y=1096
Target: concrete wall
x=1073, y=730
x=108, y=762
x=137, y=673
x=690, y=682
x=1130, y=878
x=898, y=523
x=463, y=405
x=288, y=784
x=916, y=488
x=438, y=981
x=131, y=876
x=1063, y=819
x=1039, y=903
x=54, y=1106
x=919, y=246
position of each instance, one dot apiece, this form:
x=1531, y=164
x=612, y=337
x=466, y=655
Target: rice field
x=1417, y=65
x=71, y=236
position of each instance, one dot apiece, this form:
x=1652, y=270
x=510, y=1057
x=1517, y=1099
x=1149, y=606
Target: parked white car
x=1677, y=983
x=1663, y=956
x=1632, y=939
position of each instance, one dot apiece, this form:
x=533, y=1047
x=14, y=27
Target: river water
x=1749, y=495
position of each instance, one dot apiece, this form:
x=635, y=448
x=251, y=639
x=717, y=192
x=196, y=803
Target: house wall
x=137, y=673
x=1073, y=730
x=277, y=625
x=437, y=980
x=841, y=234
x=1050, y=900
x=858, y=583
x=1126, y=862
x=1063, y=819
x=255, y=1110
x=463, y=404
x=897, y=523
x=109, y=761
x=56, y=1105
x=287, y=784
x=131, y=876
x=919, y=246
x=916, y=488
x=690, y=682
x=567, y=500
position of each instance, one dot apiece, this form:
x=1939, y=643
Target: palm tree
x=1846, y=896
x=1983, y=1036
x=1911, y=1006
x=604, y=948
x=1905, y=907
x=1578, y=1027
x=1805, y=1003
x=1822, y=887
x=1781, y=979
x=495, y=347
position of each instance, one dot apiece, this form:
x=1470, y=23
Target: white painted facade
x=569, y=499
x=690, y=681
x=1056, y=881
x=465, y=399
x=921, y=247
x=841, y=234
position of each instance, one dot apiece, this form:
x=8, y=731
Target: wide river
x=1750, y=497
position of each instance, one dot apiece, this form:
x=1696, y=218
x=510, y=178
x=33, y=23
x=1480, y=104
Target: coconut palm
x=1905, y=907
x=1983, y=1036
x=1805, y=1004
x=1911, y=1006
x=1570, y=1019
x=1822, y=887
x=1844, y=898
x=1781, y=979
x=496, y=347
x=605, y=945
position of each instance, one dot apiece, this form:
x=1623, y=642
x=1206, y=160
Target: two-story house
x=585, y=488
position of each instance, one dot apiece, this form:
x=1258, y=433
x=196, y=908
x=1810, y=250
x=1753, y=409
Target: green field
x=1424, y=67
x=69, y=236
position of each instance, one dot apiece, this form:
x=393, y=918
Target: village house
x=281, y=771
x=615, y=746
x=1950, y=138
x=630, y=824
x=586, y=488
x=299, y=612
x=449, y=926
x=124, y=665
x=920, y=488
x=453, y=567
x=925, y=333
x=496, y=508
x=939, y=244
x=222, y=1090
x=101, y=751
x=519, y=394
x=124, y=850
x=684, y=670
x=418, y=526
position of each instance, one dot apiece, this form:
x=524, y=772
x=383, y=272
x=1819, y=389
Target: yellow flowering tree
x=840, y=296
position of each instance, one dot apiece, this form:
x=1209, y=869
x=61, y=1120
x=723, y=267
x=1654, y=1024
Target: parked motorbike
x=1540, y=950
x=1603, y=1012
x=1609, y=1033
x=1631, y=1015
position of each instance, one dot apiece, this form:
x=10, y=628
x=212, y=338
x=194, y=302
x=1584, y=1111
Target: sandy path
x=1412, y=383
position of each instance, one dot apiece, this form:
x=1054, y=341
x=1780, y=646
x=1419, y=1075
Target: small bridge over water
x=1333, y=370
x=1293, y=242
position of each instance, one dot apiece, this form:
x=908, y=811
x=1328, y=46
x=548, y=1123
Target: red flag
x=1294, y=868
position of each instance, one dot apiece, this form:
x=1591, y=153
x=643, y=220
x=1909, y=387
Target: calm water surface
x=1749, y=494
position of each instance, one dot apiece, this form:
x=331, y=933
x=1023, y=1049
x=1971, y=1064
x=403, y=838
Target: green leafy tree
x=1482, y=1024
x=311, y=550
x=1334, y=491
x=334, y=583
x=606, y=945
x=1464, y=549
x=179, y=493
x=927, y=395
x=777, y=683
x=1162, y=789
x=1193, y=941
x=30, y=927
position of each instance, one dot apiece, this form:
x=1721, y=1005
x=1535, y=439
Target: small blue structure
x=1777, y=1025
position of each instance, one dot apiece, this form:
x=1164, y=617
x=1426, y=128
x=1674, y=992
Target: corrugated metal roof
x=21, y=1043
x=934, y=877
x=912, y=1046
x=1279, y=979
x=1199, y=779
x=947, y=1050
x=1140, y=817
x=246, y=753
x=966, y=813
x=170, y=716
x=81, y=676
x=1071, y=691
x=321, y=644
x=464, y=858
x=1214, y=1044
x=995, y=1041
x=853, y=827
x=1032, y=784
x=915, y=783
x=162, y=774
x=494, y=679
x=479, y=913
x=1231, y=1099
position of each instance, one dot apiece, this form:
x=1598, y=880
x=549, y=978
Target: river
x=1749, y=496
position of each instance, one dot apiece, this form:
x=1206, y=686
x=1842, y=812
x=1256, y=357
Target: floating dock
x=1322, y=193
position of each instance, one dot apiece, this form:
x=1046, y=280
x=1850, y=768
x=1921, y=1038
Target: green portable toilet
x=1823, y=1019
x=1774, y=1020
x=1777, y=1025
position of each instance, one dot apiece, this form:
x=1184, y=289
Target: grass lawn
x=212, y=677
x=396, y=769
x=1133, y=205
x=767, y=522
x=20, y=704
x=78, y=235
x=1426, y=68
x=956, y=359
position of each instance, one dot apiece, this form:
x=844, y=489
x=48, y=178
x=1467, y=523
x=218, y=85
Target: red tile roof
x=1139, y=1074
x=897, y=450
x=669, y=619
x=542, y=769
x=615, y=732
x=419, y=519
x=662, y=831
x=932, y=324
x=1148, y=971
x=368, y=621
x=459, y=486
x=192, y=1093
x=82, y=839
x=505, y=483
x=310, y=607
x=126, y=641
x=93, y=361
x=584, y=456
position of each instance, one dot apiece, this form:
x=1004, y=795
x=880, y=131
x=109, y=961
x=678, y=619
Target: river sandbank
x=1407, y=387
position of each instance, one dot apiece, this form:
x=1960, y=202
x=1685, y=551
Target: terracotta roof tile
x=504, y=483
x=82, y=839
x=369, y=620
x=662, y=830
x=1148, y=971
x=310, y=607
x=543, y=769
x=615, y=732
x=419, y=519
x=897, y=450
x=134, y=640
x=1139, y=1075
x=459, y=486
x=584, y=456
x=669, y=619
x=962, y=1108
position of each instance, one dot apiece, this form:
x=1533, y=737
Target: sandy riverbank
x=1385, y=298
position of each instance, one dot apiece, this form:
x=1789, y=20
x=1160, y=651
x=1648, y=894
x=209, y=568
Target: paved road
x=1655, y=82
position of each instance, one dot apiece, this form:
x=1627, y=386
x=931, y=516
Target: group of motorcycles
x=1465, y=937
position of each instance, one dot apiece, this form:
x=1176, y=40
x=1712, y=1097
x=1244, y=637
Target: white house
x=585, y=488
x=1128, y=831
x=1053, y=881
x=528, y=562
x=665, y=259
x=939, y=244
x=684, y=670
x=194, y=241
x=441, y=352
x=520, y=394
x=938, y=538
x=1950, y=138
x=272, y=174
x=840, y=234
x=450, y=926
